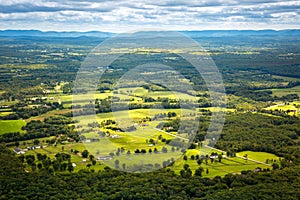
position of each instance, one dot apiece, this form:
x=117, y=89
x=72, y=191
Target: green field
x=259, y=156
x=129, y=115
x=49, y=114
x=285, y=91
x=7, y=126
x=286, y=78
x=286, y=106
x=227, y=165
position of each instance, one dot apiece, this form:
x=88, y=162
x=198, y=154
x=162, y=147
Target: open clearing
x=285, y=91
x=294, y=107
x=8, y=126
x=227, y=164
x=259, y=156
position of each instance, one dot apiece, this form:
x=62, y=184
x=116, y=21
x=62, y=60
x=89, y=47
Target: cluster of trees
x=21, y=110
x=277, y=112
x=62, y=162
x=257, y=132
x=51, y=126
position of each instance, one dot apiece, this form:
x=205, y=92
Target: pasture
x=8, y=126
x=227, y=164
x=288, y=106
x=285, y=91
x=259, y=156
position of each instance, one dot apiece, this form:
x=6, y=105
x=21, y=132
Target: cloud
x=119, y=15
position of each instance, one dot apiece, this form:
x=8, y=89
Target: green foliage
x=256, y=132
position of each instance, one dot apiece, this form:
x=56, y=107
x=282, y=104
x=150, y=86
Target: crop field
x=7, y=126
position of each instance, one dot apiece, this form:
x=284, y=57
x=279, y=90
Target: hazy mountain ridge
x=205, y=33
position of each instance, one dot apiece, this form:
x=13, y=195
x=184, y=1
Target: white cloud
x=169, y=14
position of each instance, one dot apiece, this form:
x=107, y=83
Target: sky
x=129, y=15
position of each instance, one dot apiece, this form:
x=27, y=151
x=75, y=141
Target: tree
x=199, y=161
x=275, y=166
x=188, y=173
x=198, y=172
x=151, y=141
x=94, y=162
x=85, y=153
x=267, y=161
x=185, y=157
x=17, y=144
x=39, y=156
x=193, y=146
x=192, y=157
x=246, y=157
x=137, y=151
x=70, y=167
x=36, y=142
x=220, y=157
x=30, y=159
x=22, y=158
x=33, y=166
x=185, y=166
x=91, y=157
x=39, y=165
x=117, y=162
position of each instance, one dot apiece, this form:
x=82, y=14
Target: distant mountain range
x=37, y=33
x=205, y=33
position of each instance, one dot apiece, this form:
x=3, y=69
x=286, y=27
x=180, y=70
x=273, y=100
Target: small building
x=19, y=151
x=258, y=169
x=213, y=156
x=104, y=158
x=115, y=136
x=73, y=164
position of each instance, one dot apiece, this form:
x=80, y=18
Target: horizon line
x=66, y=31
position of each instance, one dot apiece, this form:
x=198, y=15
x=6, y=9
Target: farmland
x=7, y=126
x=173, y=126
x=286, y=91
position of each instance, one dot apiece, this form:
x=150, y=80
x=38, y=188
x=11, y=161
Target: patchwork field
x=7, y=126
